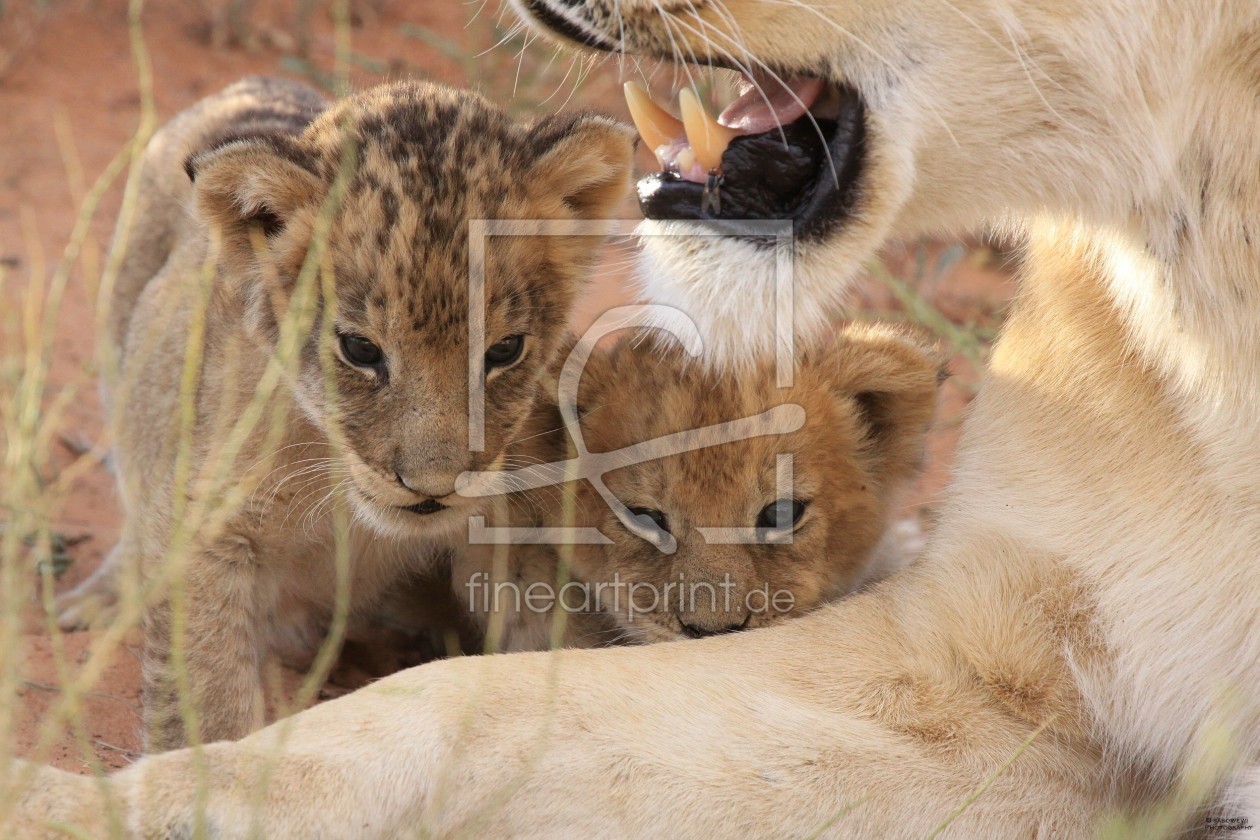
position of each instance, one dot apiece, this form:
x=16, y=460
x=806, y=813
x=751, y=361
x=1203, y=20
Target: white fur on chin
x=732, y=289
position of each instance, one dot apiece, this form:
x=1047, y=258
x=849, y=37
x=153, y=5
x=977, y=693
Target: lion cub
x=355, y=216
x=781, y=501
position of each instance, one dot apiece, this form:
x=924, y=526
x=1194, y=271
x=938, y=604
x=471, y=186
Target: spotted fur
x=398, y=172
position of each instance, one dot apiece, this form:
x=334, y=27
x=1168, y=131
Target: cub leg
x=222, y=652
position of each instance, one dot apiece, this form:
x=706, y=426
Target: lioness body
x=1079, y=641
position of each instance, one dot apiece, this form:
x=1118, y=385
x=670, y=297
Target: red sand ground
x=69, y=102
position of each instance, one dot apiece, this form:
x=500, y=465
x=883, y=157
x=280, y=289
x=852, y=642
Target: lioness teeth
x=707, y=137
x=691, y=147
x=656, y=126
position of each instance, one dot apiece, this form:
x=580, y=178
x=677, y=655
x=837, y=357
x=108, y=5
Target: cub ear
x=591, y=378
x=255, y=184
x=892, y=380
x=585, y=159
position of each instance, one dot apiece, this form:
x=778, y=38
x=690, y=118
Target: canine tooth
x=686, y=160
x=656, y=126
x=706, y=135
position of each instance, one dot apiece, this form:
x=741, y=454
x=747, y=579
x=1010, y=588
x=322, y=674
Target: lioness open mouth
x=789, y=147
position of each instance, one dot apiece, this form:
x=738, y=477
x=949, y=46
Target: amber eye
x=650, y=518
x=359, y=351
x=781, y=514
x=505, y=352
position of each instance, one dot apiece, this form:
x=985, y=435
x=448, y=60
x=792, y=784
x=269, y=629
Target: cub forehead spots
x=432, y=161
x=418, y=162
x=428, y=162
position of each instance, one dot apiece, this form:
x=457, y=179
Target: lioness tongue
x=767, y=103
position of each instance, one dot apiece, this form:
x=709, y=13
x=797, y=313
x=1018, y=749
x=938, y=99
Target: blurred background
x=75, y=88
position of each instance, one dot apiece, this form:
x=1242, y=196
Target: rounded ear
x=892, y=380
x=593, y=383
x=251, y=185
x=605, y=376
x=586, y=159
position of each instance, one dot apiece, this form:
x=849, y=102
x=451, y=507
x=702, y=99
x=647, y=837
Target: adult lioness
x=1083, y=636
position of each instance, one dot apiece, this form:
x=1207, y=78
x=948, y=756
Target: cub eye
x=359, y=351
x=505, y=352
x=650, y=518
x=783, y=513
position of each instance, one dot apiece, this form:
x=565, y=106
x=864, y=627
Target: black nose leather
x=691, y=631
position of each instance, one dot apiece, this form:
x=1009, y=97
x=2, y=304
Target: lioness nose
x=716, y=628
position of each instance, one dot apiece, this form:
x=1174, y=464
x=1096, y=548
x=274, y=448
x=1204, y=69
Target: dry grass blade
x=992, y=777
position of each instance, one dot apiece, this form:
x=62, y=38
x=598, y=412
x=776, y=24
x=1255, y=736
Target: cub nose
x=694, y=630
x=432, y=487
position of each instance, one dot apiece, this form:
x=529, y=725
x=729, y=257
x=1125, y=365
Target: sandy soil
x=69, y=102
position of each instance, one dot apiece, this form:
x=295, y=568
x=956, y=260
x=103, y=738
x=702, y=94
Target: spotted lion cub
x=728, y=502
x=356, y=213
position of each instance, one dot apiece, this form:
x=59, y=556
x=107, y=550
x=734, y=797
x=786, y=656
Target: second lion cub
x=229, y=466
x=724, y=502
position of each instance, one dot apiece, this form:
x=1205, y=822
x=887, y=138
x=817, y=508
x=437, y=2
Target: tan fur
x=868, y=397
x=426, y=160
x=1090, y=597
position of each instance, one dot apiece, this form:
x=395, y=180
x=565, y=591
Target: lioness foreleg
x=743, y=735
